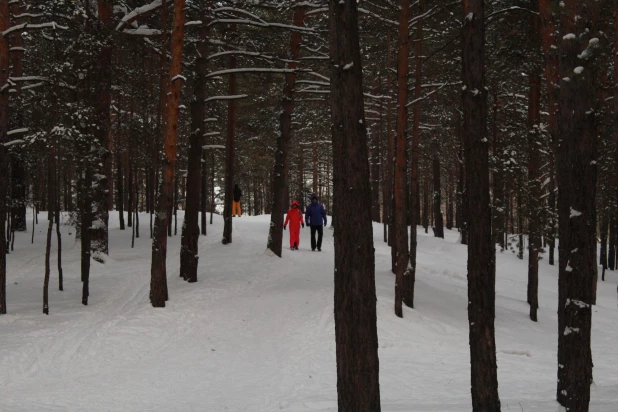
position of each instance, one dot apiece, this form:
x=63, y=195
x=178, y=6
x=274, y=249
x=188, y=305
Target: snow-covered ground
x=256, y=333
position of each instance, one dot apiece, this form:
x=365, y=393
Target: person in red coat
x=295, y=219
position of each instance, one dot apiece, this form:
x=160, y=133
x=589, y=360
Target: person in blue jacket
x=315, y=216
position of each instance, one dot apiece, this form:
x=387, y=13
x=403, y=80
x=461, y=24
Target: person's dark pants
x=320, y=231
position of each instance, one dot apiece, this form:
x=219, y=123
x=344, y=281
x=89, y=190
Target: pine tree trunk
x=158, y=282
x=577, y=174
x=481, y=251
x=18, y=172
x=375, y=175
x=229, y=154
x=119, y=189
x=280, y=173
x=204, y=192
x=603, y=234
x=449, y=201
x=426, y=200
x=85, y=207
x=498, y=177
x=413, y=184
x=358, y=386
x=401, y=159
x=50, y=227
x=535, y=202
x=438, y=228
x=551, y=72
x=102, y=104
x=190, y=226
x=4, y=156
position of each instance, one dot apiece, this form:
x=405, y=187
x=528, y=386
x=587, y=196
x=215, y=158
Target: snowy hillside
x=256, y=333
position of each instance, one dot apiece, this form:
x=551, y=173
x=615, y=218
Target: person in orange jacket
x=295, y=219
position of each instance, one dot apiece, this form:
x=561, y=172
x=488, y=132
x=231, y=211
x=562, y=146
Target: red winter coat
x=295, y=219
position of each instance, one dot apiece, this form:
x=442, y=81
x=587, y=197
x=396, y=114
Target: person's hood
x=315, y=197
x=295, y=203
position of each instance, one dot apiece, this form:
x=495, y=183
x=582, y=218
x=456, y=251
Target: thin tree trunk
x=4, y=155
x=158, y=283
x=190, y=227
x=481, y=251
x=426, y=201
x=50, y=228
x=498, y=175
x=413, y=184
x=358, y=386
x=551, y=72
x=230, y=153
x=603, y=233
x=401, y=160
x=119, y=188
x=85, y=224
x=375, y=173
x=102, y=104
x=577, y=174
x=280, y=173
x=438, y=226
x=535, y=204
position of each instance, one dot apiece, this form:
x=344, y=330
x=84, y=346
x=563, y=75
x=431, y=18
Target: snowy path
x=256, y=333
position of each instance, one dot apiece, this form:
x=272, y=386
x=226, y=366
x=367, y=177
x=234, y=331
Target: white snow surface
x=256, y=333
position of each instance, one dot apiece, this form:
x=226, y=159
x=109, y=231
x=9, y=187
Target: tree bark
x=401, y=160
x=577, y=173
x=280, y=172
x=158, y=282
x=481, y=251
x=551, y=72
x=358, y=386
x=190, y=226
x=102, y=104
x=414, y=206
x=498, y=176
x=535, y=201
x=230, y=153
x=4, y=155
x=438, y=226
x=119, y=189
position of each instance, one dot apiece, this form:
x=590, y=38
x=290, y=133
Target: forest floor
x=256, y=333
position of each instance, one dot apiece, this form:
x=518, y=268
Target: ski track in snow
x=256, y=333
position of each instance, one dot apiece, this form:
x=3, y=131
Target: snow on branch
x=213, y=146
x=28, y=26
x=260, y=24
x=430, y=93
x=142, y=31
x=230, y=97
x=135, y=14
x=377, y=16
x=251, y=70
x=316, y=11
x=512, y=8
x=377, y=97
x=17, y=131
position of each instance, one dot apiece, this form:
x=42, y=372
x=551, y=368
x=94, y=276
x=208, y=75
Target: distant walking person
x=295, y=219
x=236, y=205
x=315, y=216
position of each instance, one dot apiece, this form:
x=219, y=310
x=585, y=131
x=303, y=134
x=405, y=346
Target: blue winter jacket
x=315, y=214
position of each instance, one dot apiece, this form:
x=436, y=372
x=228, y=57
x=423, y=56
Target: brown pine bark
x=85, y=207
x=414, y=184
x=481, y=251
x=551, y=74
x=230, y=153
x=391, y=163
x=426, y=200
x=280, y=172
x=190, y=226
x=158, y=282
x=535, y=205
x=4, y=156
x=577, y=174
x=401, y=159
x=120, y=188
x=358, y=386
